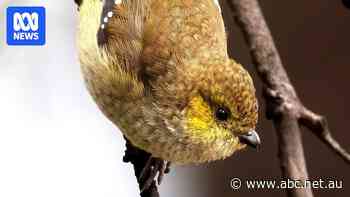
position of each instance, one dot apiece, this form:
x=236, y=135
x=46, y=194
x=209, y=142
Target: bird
x=160, y=71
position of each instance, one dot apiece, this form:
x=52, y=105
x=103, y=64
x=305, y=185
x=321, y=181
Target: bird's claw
x=153, y=167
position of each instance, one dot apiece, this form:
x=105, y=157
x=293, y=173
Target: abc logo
x=26, y=26
x=18, y=21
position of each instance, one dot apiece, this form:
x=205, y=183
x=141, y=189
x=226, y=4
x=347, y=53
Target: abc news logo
x=26, y=26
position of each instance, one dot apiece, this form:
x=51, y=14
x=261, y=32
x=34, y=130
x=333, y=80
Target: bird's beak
x=251, y=139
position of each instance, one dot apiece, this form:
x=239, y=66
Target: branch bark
x=283, y=104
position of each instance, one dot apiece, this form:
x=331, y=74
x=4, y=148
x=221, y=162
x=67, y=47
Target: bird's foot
x=153, y=167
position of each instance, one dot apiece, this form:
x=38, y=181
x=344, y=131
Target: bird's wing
x=121, y=32
x=110, y=44
x=150, y=44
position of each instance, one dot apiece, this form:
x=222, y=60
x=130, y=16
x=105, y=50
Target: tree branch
x=283, y=104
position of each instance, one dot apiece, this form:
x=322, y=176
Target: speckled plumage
x=158, y=69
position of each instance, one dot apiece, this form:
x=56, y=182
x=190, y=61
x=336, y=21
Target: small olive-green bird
x=160, y=71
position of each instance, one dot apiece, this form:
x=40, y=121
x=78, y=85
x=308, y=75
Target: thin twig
x=319, y=126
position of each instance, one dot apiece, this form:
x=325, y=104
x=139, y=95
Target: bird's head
x=223, y=111
x=217, y=112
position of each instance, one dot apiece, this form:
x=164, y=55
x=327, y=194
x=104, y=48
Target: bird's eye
x=222, y=113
